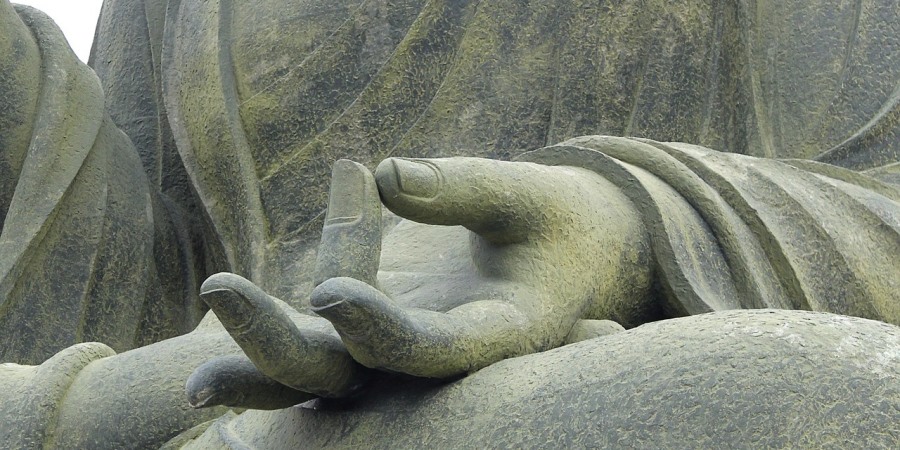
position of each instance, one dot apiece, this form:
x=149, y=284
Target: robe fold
x=732, y=231
x=88, y=252
x=263, y=97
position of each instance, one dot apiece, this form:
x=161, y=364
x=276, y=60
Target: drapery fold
x=732, y=231
x=88, y=251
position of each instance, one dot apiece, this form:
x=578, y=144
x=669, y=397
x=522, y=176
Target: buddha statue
x=496, y=254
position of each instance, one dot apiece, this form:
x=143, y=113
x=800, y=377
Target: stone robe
x=89, y=251
x=262, y=97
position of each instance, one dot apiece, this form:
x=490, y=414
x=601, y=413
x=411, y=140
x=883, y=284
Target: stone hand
x=539, y=249
x=291, y=357
x=542, y=247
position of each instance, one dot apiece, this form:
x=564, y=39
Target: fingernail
x=233, y=310
x=348, y=319
x=323, y=297
x=346, y=199
x=227, y=301
x=409, y=177
x=329, y=300
x=202, y=399
x=325, y=303
x=198, y=389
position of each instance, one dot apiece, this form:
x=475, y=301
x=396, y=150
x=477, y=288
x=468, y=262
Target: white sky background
x=76, y=19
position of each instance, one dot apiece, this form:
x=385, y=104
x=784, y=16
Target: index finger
x=351, y=237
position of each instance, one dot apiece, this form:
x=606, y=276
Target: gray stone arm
x=87, y=396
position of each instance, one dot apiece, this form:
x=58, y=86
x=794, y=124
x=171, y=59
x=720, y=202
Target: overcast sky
x=76, y=18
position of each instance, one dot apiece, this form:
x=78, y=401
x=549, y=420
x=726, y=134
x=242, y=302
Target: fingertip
x=222, y=281
x=225, y=302
x=234, y=381
x=495, y=199
x=351, y=236
x=201, y=397
x=234, y=299
x=386, y=179
x=204, y=388
x=353, y=307
x=347, y=164
x=411, y=178
x=352, y=185
x=333, y=292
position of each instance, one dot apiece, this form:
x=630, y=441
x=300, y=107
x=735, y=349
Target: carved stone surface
x=263, y=97
x=729, y=379
x=235, y=114
x=89, y=250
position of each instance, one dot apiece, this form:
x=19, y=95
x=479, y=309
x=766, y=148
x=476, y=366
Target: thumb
x=501, y=201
